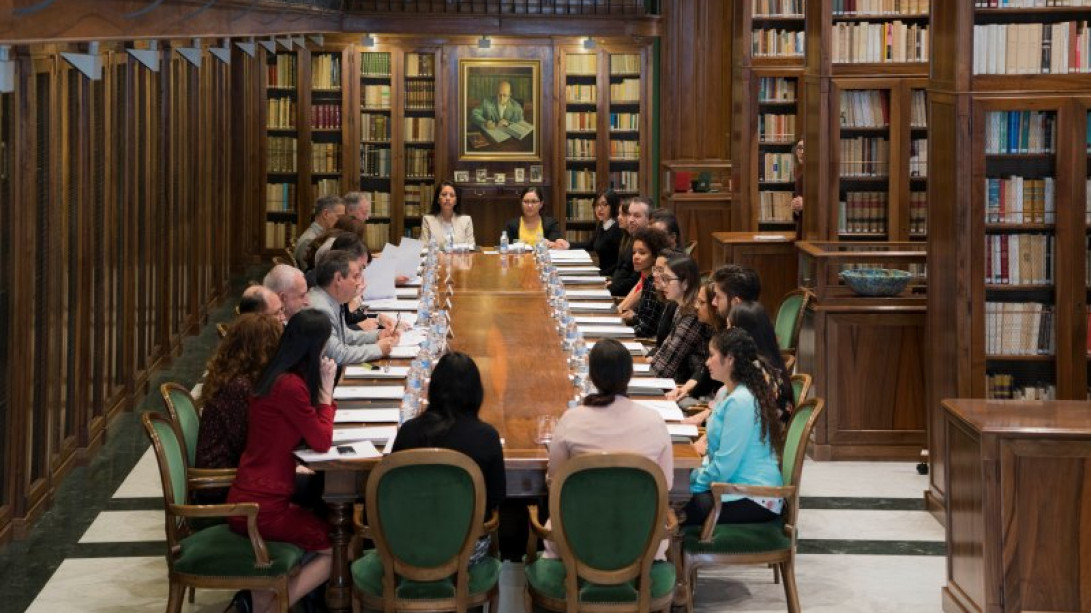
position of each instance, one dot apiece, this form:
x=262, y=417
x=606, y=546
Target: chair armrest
x=696, y=408
x=362, y=530
x=647, y=342
x=247, y=509
x=764, y=491
x=207, y=478
x=492, y=523
x=671, y=526
x=537, y=531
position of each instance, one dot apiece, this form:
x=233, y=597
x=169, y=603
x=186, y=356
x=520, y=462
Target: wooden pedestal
x=773, y=257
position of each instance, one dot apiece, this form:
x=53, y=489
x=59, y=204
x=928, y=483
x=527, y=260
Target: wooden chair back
x=804, y=418
x=801, y=388
x=182, y=409
x=789, y=319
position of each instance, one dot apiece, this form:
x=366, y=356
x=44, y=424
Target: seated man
x=340, y=279
x=289, y=285
x=260, y=299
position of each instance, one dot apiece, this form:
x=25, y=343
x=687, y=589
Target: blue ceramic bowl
x=876, y=281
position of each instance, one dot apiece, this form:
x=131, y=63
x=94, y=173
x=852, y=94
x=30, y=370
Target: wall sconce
x=368, y=40
x=484, y=42
x=588, y=43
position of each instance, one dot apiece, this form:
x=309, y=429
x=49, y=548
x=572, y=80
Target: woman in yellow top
x=532, y=226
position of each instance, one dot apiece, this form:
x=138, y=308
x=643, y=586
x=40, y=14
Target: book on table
x=518, y=130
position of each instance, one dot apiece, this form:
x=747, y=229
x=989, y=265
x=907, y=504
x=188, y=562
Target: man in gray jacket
x=340, y=279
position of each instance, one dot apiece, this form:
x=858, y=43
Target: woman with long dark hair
x=685, y=348
x=451, y=421
x=446, y=216
x=745, y=436
x=642, y=308
x=605, y=239
x=701, y=384
x=608, y=421
x=751, y=316
x=293, y=400
x=531, y=226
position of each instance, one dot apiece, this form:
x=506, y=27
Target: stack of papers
x=592, y=307
x=368, y=392
x=353, y=451
x=384, y=372
x=392, y=304
x=371, y=433
x=404, y=352
x=565, y=268
x=650, y=385
x=406, y=292
x=667, y=409
x=366, y=416
x=569, y=255
x=587, y=294
x=582, y=280
x=598, y=319
x=412, y=338
x=606, y=331
x=682, y=430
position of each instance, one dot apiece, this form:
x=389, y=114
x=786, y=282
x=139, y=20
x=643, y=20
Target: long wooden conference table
x=500, y=317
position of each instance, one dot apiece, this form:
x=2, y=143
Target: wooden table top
x=500, y=318
x=748, y=238
x=1053, y=418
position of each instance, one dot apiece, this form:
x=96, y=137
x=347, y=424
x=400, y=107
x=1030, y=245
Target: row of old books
x=1018, y=328
x=279, y=197
x=580, y=209
x=865, y=156
x=777, y=89
x=326, y=71
x=579, y=148
x=420, y=65
x=377, y=234
x=775, y=206
x=282, y=73
x=1032, y=48
x=918, y=109
x=628, y=90
x=1002, y=386
x=584, y=121
x=918, y=157
x=776, y=42
x=624, y=150
x=374, y=64
x=776, y=167
x=879, y=43
x=624, y=63
x=880, y=7
x=862, y=213
x=375, y=161
x=376, y=96
x=327, y=187
x=776, y=128
x=779, y=8
x=375, y=126
x=579, y=236
x=326, y=157
x=918, y=213
x=582, y=64
x=1019, y=259
x=418, y=197
x=580, y=180
x=625, y=122
x=1026, y=4
x=1020, y=132
x=280, y=114
x=420, y=129
x=280, y=154
x=625, y=181
x=1019, y=200
x=326, y=116
x=419, y=162
x=380, y=203
x=865, y=108
x=420, y=95
x=278, y=233
x=586, y=93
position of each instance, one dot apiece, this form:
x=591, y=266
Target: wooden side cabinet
x=771, y=254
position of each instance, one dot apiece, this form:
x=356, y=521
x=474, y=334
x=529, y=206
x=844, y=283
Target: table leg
x=339, y=591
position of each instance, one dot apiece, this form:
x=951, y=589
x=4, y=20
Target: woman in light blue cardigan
x=745, y=436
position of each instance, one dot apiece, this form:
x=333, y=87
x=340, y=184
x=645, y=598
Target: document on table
x=650, y=386
x=352, y=451
x=642, y=369
x=392, y=305
x=404, y=352
x=366, y=416
x=364, y=372
x=667, y=409
x=412, y=337
x=408, y=257
x=416, y=281
x=606, y=331
x=367, y=433
x=582, y=279
x=578, y=269
x=406, y=292
x=597, y=319
x=587, y=294
x=569, y=255
x=368, y=392
x=592, y=307
x=686, y=430
x=379, y=276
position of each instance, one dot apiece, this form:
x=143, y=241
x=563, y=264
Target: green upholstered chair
x=182, y=409
x=801, y=388
x=609, y=514
x=425, y=509
x=772, y=542
x=215, y=557
x=790, y=319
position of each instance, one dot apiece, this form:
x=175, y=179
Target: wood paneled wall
x=120, y=218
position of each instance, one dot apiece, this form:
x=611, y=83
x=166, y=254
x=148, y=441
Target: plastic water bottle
x=450, y=239
x=504, y=242
x=411, y=401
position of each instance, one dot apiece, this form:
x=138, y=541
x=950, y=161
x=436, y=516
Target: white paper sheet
x=667, y=409
x=416, y=281
x=662, y=383
x=578, y=269
x=404, y=352
x=689, y=430
x=392, y=305
x=598, y=320
x=406, y=292
x=366, y=416
x=606, y=331
x=592, y=307
x=379, y=276
x=359, y=450
x=408, y=257
x=368, y=433
x=642, y=369
x=368, y=392
x=586, y=294
x=412, y=337
x=360, y=372
x=569, y=254
x=582, y=280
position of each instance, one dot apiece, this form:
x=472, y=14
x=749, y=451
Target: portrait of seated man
x=498, y=105
x=500, y=111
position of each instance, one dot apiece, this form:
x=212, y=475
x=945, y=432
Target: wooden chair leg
x=776, y=573
x=494, y=600
x=528, y=602
x=790, y=593
x=691, y=588
x=177, y=595
x=282, y=596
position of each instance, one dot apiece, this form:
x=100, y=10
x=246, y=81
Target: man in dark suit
x=625, y=277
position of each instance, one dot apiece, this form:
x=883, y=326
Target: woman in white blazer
x=447, y=213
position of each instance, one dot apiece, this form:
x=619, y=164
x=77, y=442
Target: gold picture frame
x=499, y=110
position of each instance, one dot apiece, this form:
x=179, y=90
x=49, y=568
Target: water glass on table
x=546, y=425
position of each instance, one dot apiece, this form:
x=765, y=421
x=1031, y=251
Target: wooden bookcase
x=325, y=125
x=581, y=125
x=375, y=92
x=419, y=136
x=282, y=122
x=768, y=93
x=866, y=121
x=987, y=347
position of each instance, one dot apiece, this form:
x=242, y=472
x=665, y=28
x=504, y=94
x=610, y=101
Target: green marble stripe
x=142, y=549
x=134, y=504
x=862, y=504
x=884, y=548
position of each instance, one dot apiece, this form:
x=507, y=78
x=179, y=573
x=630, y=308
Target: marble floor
x=866, y=543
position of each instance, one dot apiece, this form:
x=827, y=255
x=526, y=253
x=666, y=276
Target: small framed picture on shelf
x=520, y=175
x=535, y=173
x=462, y=176
x=500, y=177
x=482, y=175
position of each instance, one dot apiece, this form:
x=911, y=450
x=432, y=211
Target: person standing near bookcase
x=797, y=193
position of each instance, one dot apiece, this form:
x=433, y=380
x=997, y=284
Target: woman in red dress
x=293, y=401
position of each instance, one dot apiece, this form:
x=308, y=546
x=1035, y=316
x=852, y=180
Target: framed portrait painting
x=499, y=109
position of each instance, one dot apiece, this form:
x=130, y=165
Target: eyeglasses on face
x=531, y=201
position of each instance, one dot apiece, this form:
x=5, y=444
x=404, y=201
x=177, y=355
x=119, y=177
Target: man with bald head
x=499, y=111
x=289, y=284
x=260, y=299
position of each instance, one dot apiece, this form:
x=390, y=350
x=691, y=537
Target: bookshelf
x=419, y=121
x=325, y=123
x=581, y=125
x=282, y=149
x=626, y=109
x=377, y=130
x=1008, y=263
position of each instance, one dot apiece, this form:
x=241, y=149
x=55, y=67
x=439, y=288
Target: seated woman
x=700, y=384
x=454, y=399
x=751, y=316
x=642, y=308
x=293, y=401
x=532, y=226
x=685, y=349
x=659, y=271
x=605, y=239
x=445, y=217
x=744, y=439
x=233, y=370
x=608, y=421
